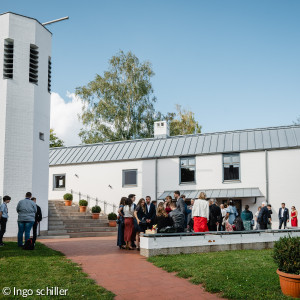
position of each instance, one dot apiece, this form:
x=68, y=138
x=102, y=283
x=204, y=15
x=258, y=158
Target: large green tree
x=119, y=105
x=182, y=122
x=54, y=140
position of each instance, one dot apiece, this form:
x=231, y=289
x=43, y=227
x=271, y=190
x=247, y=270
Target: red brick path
x=125, y=273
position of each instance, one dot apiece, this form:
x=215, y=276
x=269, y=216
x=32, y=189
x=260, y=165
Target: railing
x=94, y=201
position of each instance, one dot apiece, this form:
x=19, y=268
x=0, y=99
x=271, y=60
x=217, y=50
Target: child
x=3, y=217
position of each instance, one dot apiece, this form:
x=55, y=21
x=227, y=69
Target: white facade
x=154, y=176
x=24, y=115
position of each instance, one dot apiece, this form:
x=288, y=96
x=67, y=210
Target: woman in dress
x=167, y=204
x=162, y=219
x=200, y=213
x=294, y=217
x=247, y=217
x=128, y=211
x=226, y=224
x=140, y=216
x=120, y=241
x=256, y=218
x=231, y=212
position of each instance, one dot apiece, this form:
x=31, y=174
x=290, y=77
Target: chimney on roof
x=161, y=129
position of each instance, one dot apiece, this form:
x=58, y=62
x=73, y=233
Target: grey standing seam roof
x=283, y=137
x=217, y=193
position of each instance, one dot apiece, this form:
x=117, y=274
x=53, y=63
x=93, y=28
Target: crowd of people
x=29, y=215
x=202, y=215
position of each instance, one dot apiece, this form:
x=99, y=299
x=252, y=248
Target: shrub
x=112, y=216
x=83, y=202
x=287, y=254
x=96, y=209
x=68, y=196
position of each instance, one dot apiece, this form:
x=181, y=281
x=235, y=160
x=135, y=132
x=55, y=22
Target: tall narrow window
x=187, y=169
x=8, y=62
x=49, y=74
x=231, y=166
x=33, y=64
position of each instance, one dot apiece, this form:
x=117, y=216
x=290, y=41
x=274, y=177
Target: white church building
x=249, y=166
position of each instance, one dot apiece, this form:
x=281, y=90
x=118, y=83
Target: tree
x=120, y=104
x=54, y=140
x=183, y=122
x=297, y=122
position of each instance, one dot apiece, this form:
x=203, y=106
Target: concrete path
x=124, y=272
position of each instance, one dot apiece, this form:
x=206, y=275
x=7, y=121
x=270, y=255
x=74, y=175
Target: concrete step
x=92, y=234
x=56, y=227
x=56, y=223
x=57, y=232
x=80, y=217
x=92, y=229
x=88, y=225
x=67, y=236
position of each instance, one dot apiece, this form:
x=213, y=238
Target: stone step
x=92, y=229
x=67, y=236
x=91, y=234
x=56, y=223
x=65, y=218
x=56, y=227
x=78, y=225
x=57, y=232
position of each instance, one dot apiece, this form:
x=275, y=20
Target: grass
x=44, y=268
x=245, y=274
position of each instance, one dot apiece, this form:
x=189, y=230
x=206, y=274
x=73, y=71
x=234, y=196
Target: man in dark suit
x=283, y=215
x=263, y=215
x=150, y=212
x=215, y=215
x=38, y=219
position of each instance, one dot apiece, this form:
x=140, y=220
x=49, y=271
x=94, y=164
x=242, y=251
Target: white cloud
x=64, y=118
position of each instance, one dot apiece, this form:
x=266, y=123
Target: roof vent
x=161, y=129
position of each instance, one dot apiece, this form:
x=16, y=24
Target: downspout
x=156, y=180
x=267, y=176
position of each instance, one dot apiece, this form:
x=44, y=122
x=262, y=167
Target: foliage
x=287, y=254
x=119, y=105
x=112, y=216
x=83, y=202
x=244, y=274
x=44, y=268
x=96, y=209
x=183, y=122
x=68, y=196
x=54, y=140
x=297, y=122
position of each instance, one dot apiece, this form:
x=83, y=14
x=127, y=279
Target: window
x=231, y=166
x=187, y=169
x=42, y=136
x=59, y=181
x=33, y=64
x=49, y=74
x=8, y=64
x=129, y=177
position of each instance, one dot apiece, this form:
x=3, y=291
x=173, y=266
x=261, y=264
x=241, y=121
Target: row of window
x=231, y=171
x=8, y=63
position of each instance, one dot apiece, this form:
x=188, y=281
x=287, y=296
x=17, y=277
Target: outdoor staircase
x=68, y=222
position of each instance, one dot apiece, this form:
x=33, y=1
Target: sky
x=234, y=63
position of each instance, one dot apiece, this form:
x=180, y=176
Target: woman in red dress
x=294, y=215
x=167, y=204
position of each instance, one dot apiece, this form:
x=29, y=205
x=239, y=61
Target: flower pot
x=82, y=208
x=68, y=202
x=112, y=223
x=290, y=284
x=95, y=215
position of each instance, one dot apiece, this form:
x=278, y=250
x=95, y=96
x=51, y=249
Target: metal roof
x=217, y=193
x=283, y=137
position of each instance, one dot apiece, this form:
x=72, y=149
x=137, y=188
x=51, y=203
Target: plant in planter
x=82, y=205
x=287, y=256
x=112, y=219
x=68, y=199
x=96, y=212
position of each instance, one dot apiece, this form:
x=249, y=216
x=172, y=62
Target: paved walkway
x=125, y=273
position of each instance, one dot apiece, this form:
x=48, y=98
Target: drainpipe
x=267, y=176
x=156, y=180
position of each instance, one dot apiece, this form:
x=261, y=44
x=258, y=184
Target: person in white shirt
x=201, y=213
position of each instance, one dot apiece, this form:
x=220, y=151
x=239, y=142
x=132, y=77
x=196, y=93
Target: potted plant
x=68, y=199
x=287, y=256
x=96, y=212
x=112, y=219
x=82, y=205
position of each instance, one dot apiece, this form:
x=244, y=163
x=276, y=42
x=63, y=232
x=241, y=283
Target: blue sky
x=234, y=63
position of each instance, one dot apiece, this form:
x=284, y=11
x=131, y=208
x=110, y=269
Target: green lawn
x=245, y=274
x=42, y=268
